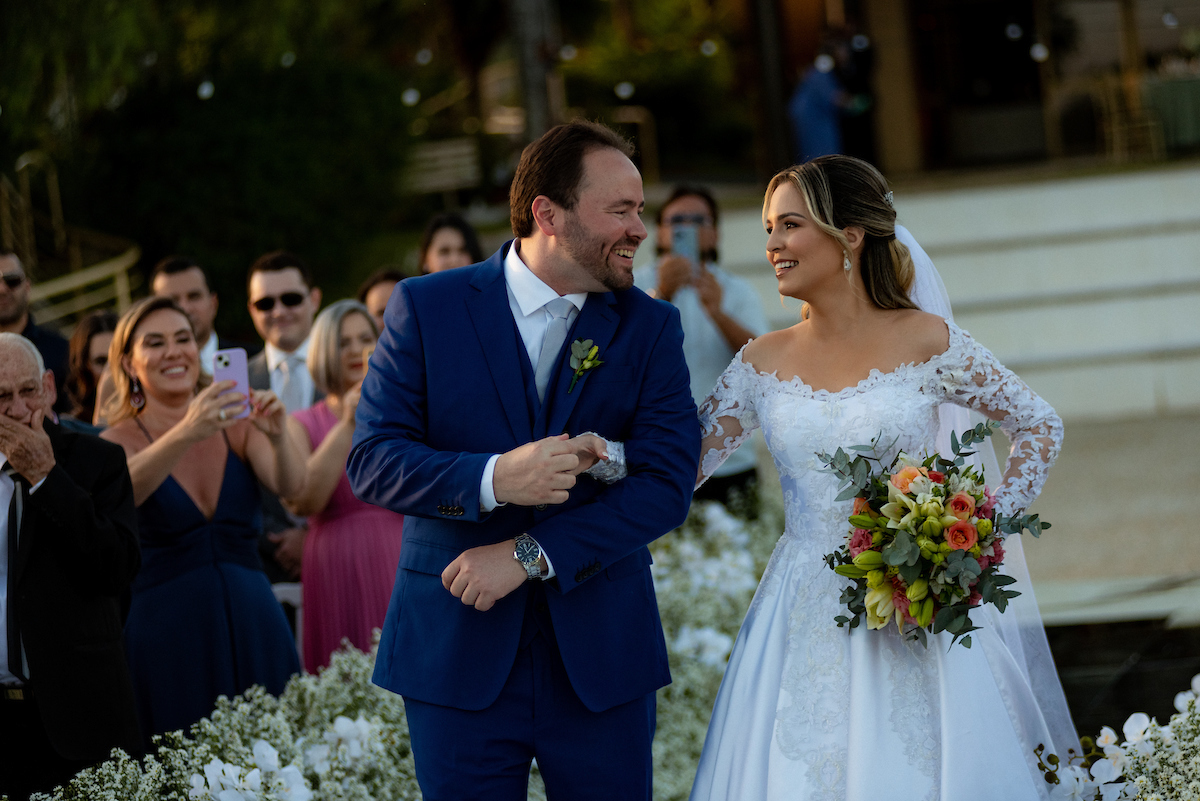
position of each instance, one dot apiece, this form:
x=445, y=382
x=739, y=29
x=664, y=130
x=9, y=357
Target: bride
x=808, y=710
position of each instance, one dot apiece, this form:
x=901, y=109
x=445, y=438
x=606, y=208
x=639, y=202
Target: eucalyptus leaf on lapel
x=583, y=359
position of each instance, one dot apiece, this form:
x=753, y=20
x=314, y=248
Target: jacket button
x=541, y=507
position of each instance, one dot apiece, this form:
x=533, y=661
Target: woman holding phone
x=352, y=548
x=203, y=621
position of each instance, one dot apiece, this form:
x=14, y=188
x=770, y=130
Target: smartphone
x=230, y=365
x=685, y=242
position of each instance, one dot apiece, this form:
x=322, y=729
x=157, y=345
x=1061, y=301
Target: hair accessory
x=891, y=200
x=136, y=399
x=846, y=262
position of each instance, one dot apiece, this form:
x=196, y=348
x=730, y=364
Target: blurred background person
x=15, y=318
x=203, y=621
x=185, y=282
x=815, y=110
x=376, y=291
x=352, y=548
x=282, y=302
x=449, y=241
x=87, y=357
x=68, y=552
x=719, y=313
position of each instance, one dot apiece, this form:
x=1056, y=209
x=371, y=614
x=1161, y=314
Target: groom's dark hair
x=553, y=166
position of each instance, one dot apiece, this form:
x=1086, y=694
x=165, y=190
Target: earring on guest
x=136, y=399
x=846, y=262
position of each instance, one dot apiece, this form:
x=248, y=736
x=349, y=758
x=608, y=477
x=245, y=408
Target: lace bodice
x=799, y=421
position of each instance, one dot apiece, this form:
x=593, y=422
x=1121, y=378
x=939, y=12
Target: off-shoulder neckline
x=872, y=378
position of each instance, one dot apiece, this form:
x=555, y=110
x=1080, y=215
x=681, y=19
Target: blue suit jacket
x=443, y=393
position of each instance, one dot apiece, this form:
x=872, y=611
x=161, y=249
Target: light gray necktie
x=562, y=311
x=290, y=388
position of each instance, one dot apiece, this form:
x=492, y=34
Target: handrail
x=115, y=270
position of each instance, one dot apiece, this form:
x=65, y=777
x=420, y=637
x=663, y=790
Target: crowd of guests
x=222, y=493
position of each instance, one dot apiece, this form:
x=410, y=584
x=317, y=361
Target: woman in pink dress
x=352, y=548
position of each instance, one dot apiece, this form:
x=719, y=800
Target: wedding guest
x=376, y=291
x=186, y=282
x=353, y=547
x=68, y=551
x=282, y=302
x=720, y=312
x=449, y=241
x=87, y=357
x=203, y=621
x=16, y=318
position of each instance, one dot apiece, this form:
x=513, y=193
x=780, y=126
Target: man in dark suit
x=282, y=303
x=68, y=552
x=523, y=622
x=185, y=282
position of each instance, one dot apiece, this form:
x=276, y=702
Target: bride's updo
x=842, y=191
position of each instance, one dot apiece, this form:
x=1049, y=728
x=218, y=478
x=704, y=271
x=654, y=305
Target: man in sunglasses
x=283, y=303
x=719, y=312
x=16, y=319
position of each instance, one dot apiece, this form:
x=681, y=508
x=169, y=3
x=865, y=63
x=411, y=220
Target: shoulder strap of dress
x=142, y=426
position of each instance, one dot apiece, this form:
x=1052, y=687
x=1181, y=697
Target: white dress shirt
x=275, y=359
x=207, y=351
x=8, y=488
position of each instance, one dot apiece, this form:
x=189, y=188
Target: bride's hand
x=590, y=449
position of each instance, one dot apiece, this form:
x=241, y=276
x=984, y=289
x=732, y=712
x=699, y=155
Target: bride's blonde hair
x=840, y=192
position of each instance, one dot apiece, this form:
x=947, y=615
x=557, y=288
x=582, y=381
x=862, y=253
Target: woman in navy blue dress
x=203, y=620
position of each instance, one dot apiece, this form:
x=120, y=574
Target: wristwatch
x=529, y=554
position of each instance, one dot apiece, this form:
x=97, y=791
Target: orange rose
x=961, y=506
x=904, y=479
x=862, y=507
x=961, y=536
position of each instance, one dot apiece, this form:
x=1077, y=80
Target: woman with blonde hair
x=352, y=549
x=808, y=710
x=203, y=621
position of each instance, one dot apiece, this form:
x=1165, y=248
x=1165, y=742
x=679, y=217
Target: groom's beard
x=591, y=253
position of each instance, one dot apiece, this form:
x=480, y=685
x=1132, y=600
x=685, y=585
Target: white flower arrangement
x=338, y=736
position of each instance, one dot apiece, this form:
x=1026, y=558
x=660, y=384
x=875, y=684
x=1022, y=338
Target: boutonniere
x=583, y=358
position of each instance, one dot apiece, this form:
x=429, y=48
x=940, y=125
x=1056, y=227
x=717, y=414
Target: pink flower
x=989, y=503
x=974, y=598
x=936, y=477
x=983, y=562
x=900, y=601
x=860, y=541
x=997, y=552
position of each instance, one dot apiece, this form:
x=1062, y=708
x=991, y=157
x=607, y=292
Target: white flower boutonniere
x=583, y=359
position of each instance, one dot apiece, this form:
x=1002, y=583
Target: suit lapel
x=597, y=322
x=493, y=322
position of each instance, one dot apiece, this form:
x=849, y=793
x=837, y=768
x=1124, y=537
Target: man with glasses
x=16, y=319
x=282, y=304
x=719, y=313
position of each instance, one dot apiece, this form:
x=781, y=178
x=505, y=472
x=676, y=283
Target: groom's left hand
x=481, y=576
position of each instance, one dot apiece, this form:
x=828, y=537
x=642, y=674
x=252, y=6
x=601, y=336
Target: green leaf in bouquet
x=966, y=641
x=919, y=635
x=848, y=493
x=861, y=473
x=900, y=550
x=863, y=448
x=910, y=573
x=1001, y=580
x=943, y=618
x=954, y=444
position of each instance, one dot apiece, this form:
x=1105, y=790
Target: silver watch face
x=527, y=551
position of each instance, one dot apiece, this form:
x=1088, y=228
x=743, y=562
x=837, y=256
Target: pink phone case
x=230, y=365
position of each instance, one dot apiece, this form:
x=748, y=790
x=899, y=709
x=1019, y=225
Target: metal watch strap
x=528, y=554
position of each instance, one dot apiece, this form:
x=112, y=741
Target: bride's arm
x=976, y=379
x=727, y=419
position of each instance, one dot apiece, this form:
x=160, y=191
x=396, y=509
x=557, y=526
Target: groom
x=523, y=622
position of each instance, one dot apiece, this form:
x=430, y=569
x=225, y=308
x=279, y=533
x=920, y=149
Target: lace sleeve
x=973, y=377
x=727, y=416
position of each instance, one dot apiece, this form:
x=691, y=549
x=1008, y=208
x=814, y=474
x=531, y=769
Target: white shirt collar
x=275, y=355
x=531, y=292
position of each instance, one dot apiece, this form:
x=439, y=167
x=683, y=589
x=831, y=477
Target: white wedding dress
x=811, y=711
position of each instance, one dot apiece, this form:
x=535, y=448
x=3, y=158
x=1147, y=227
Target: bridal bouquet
x=924, y=545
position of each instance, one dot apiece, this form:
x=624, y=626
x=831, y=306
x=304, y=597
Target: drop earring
x=136, y=399
x=846, y=262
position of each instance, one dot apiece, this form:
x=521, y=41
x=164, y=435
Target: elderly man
x=15, y=318
x=68, y=552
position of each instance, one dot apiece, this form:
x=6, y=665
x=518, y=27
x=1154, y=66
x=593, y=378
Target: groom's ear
x=547, y=215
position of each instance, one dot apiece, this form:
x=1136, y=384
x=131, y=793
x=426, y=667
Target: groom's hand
x=536, y=473
x=481, y=576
